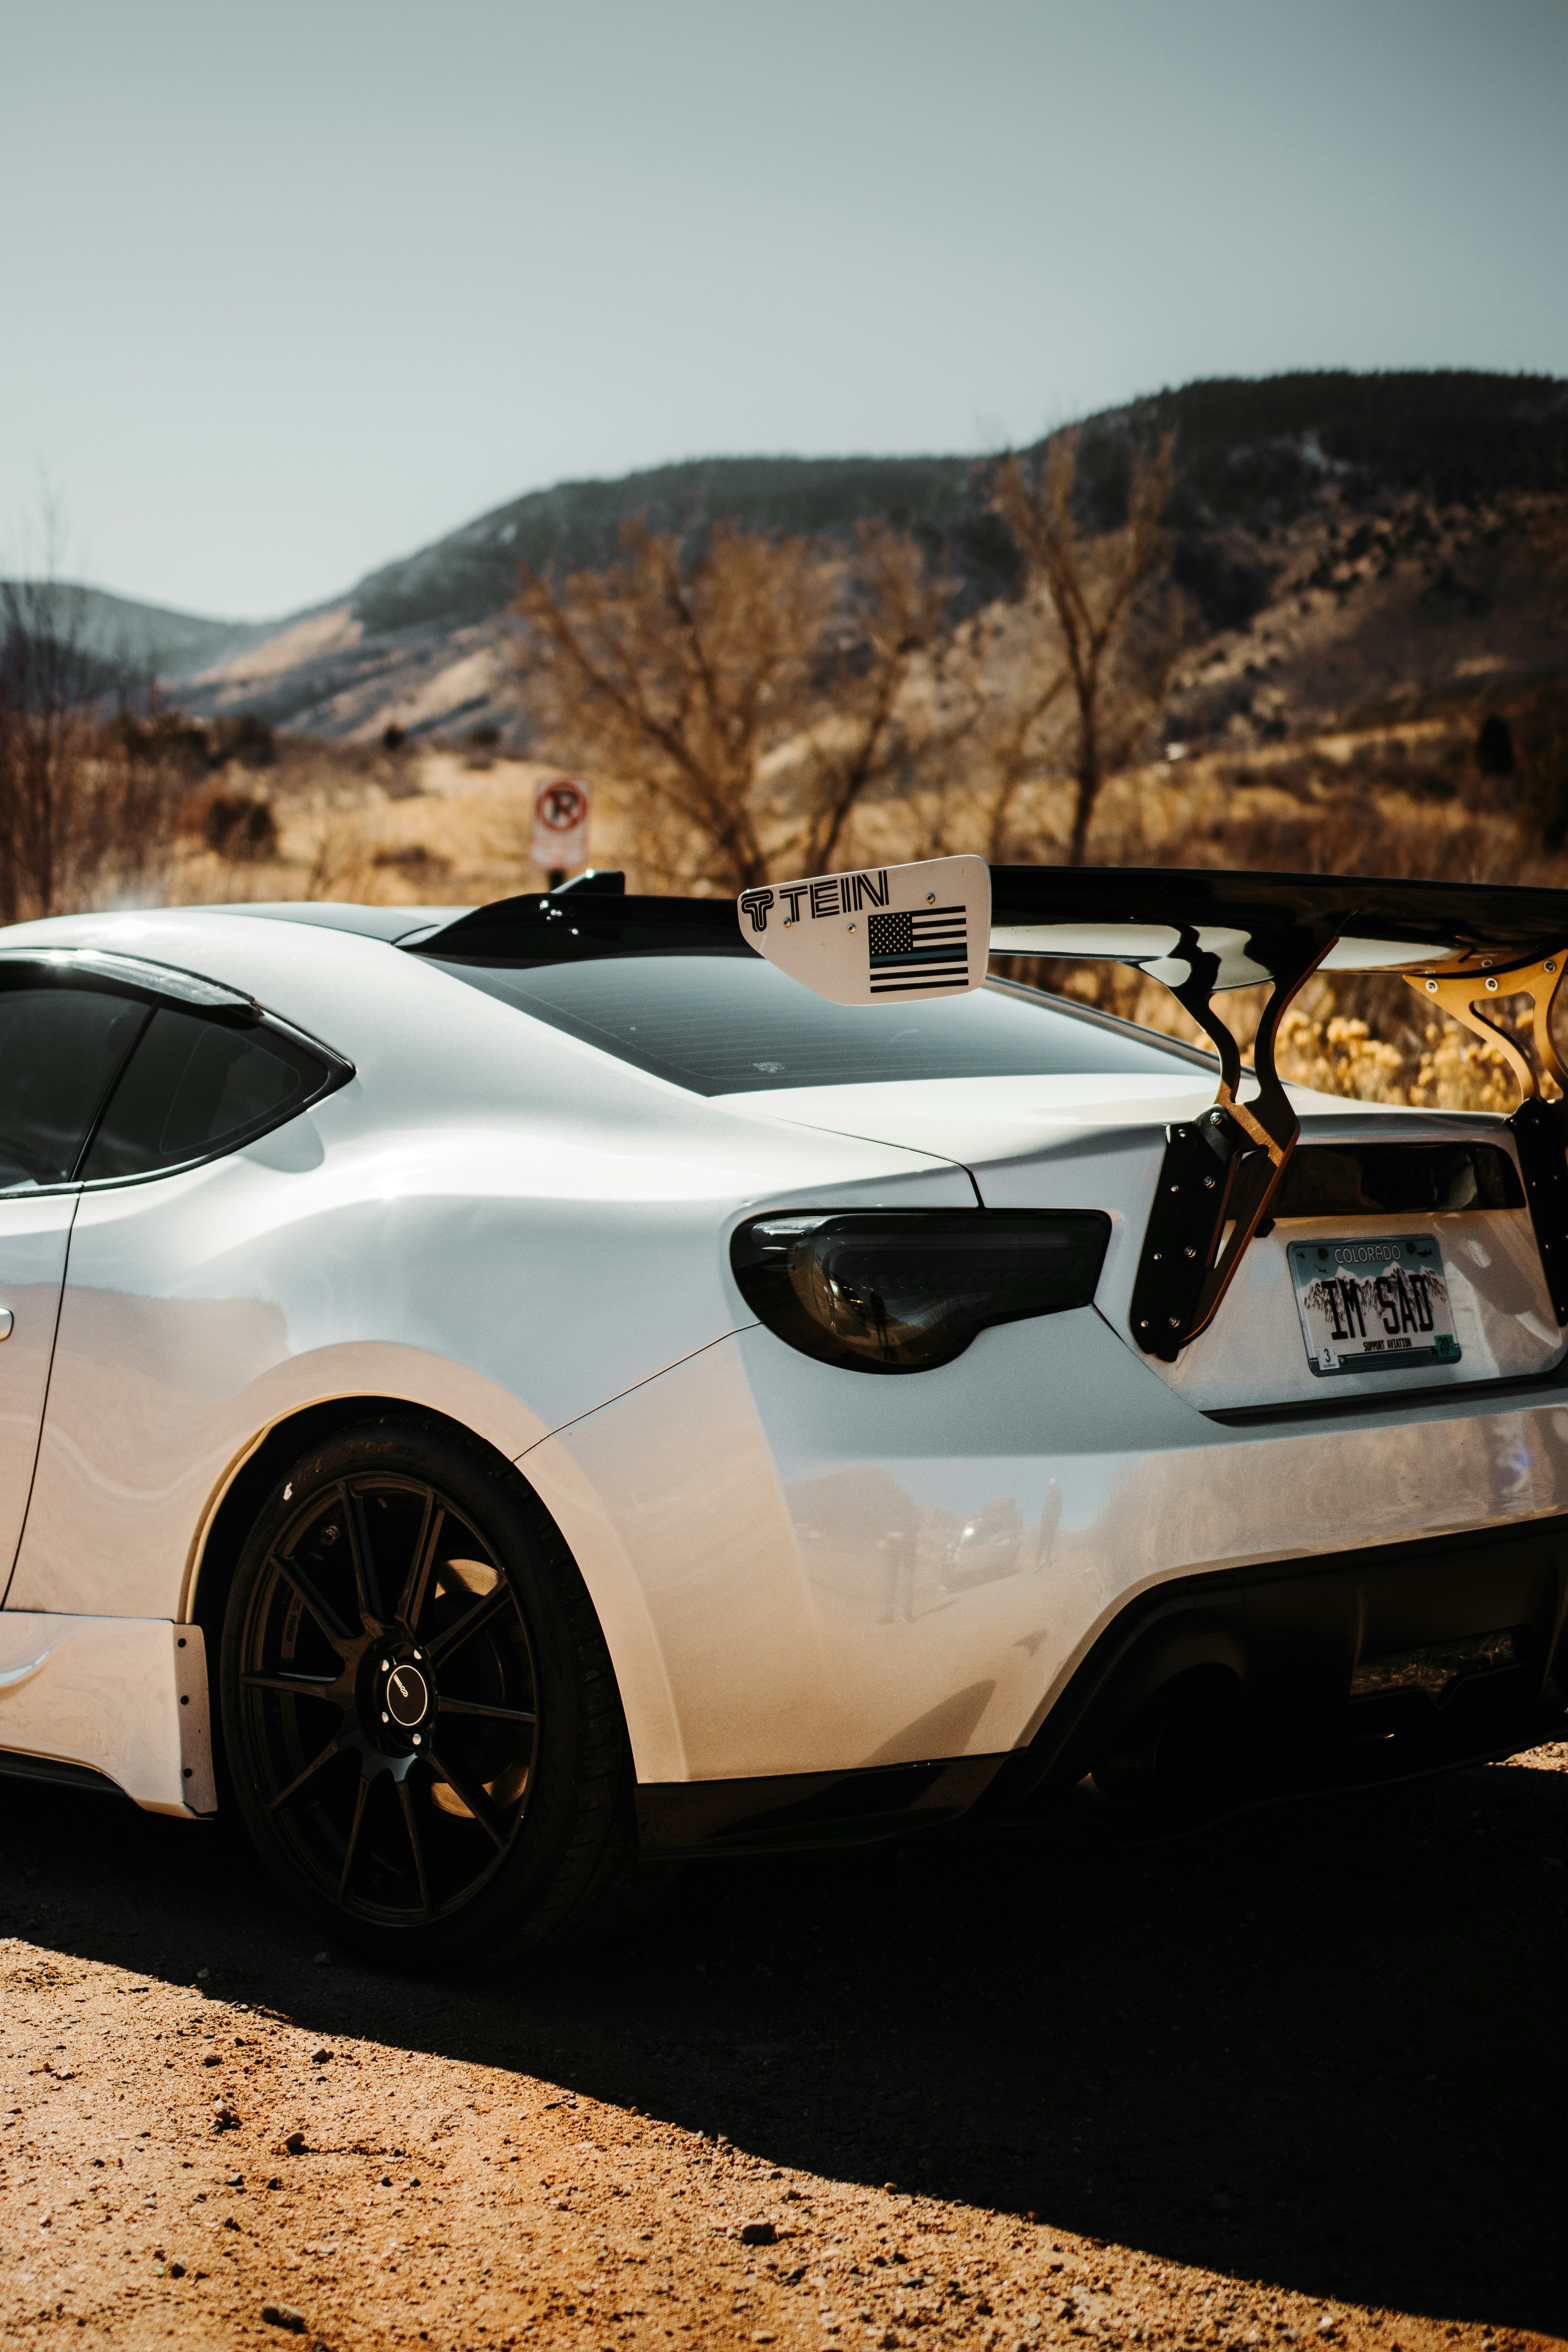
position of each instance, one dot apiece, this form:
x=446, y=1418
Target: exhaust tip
x=1179, y=1753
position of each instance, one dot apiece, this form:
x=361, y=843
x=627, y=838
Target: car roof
x=393, y=924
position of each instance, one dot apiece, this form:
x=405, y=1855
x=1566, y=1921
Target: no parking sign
x=560, y=825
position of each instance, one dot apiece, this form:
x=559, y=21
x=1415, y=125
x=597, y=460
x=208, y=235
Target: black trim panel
x=684, y=1820
x=1547, y=1387
x=57, y=1774
x=1397, y=1180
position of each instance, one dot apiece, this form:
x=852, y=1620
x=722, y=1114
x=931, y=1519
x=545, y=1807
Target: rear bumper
x=1214, y=1694
x=1218, y=1693
x=802, y=1572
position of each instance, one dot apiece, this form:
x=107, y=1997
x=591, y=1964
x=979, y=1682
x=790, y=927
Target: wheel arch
x=215, y=1555
x=590, y=1858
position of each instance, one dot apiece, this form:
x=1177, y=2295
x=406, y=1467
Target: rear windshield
x=732, y=1024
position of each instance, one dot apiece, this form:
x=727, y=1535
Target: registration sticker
x=1370, y=1306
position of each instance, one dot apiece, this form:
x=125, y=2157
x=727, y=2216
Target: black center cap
x=407, y=1697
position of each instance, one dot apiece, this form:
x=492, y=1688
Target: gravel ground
x=1298, y=2080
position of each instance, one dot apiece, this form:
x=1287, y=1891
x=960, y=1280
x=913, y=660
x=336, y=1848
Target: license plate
x=1370, y=1306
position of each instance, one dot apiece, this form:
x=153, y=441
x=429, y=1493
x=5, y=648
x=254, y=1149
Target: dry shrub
x=87, y=818
x=1353, y=833
x=89, y=802
x=1451, y=1070
x=342, y=859
x=1367, y=1036
x=413, y=859
x=239, y=826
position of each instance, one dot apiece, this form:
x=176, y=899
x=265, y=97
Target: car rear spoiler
x=1463, y=947
x=1201, y=932
x=911, y=933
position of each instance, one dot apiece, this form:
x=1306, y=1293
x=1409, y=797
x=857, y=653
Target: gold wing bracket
x=1539, y=1125
x=1466, y=996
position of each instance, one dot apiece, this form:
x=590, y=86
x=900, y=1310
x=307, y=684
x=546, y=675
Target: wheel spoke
x=328, y=1752
x=430, y=1591
x=480, y=1614
x=411, y=1600
x=359, y=1547
x=326, y=1617
x=405, y=1799
x=489, y=1713
x=361, y=1793
x=477, y=1803
x=292, y=1685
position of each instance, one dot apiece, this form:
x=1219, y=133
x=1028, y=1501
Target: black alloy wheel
x=420, y=1717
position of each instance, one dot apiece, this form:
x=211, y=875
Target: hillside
x=1344, y=544
x=137, y=639
x=414, y=641
x=468, y=576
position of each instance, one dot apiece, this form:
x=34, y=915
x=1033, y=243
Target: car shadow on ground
x=1322, y=2047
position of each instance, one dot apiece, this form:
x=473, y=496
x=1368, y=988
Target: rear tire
x=420, y=1711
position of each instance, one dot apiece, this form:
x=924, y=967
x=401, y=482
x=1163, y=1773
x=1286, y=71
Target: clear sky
x=291, y=288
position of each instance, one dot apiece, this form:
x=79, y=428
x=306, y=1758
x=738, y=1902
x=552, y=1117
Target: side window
x=194, y=1088
x=61, y=1050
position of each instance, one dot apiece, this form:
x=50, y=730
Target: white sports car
x=512, y=1397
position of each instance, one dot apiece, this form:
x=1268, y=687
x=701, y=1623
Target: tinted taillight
x=902, y=1290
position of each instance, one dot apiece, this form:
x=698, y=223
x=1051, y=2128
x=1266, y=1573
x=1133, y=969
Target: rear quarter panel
x=489, y=1220
x=836, y=1570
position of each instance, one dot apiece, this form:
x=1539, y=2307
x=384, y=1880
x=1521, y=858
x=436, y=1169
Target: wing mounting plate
x=1539, y=1125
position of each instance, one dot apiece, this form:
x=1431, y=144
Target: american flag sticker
x=929, y=948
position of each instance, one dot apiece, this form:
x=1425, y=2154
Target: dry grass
x=432, y=827
x=1389, y=1050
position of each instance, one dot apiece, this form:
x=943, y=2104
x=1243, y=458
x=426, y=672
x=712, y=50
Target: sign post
x=561, y=827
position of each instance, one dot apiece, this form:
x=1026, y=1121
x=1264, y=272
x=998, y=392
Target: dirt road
x=1300, y=2080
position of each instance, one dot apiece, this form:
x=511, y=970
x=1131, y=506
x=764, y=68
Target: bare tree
x=1546, y=520
x=749, y=689
x=41, y=729
x=1008, y=743
x=1092, y=584
x=88, y=796
x=987, y=694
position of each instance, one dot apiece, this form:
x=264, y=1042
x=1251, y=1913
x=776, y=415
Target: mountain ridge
x=126, y=635
x=1275, y=478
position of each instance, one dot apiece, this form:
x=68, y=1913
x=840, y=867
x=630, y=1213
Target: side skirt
x=56, y=1775
x=122, y=1699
